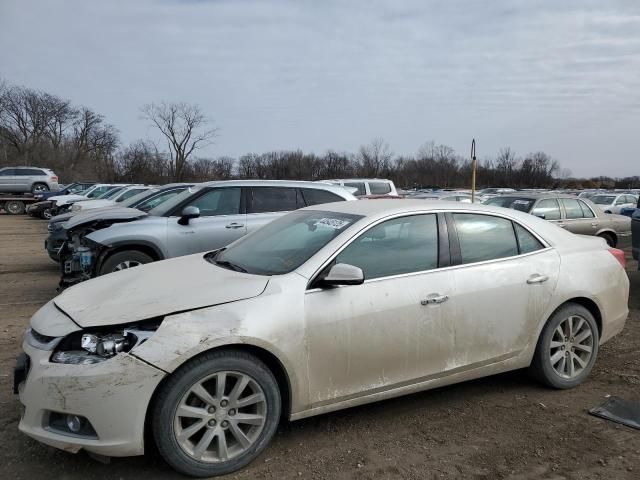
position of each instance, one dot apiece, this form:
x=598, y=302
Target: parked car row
x=334, y=305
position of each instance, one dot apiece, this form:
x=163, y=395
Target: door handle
x=561, y=225
x=234, y=225
x=537, y=278
x=594, y=224
x=434, y=299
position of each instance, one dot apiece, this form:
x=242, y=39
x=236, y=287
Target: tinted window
x=483, y=237
x=516, y=203
x=313, y=196
x=28, y=171
x=359, y=185
x=379, y=188
x=219, y=201
x=111, y=193
x=547, y=209
x=272, y=199
x=98, y=191
x=586, y=210
x=526, y=241
x=603, y=199
x=572, y=208
x=6, y=172
x=401, y=245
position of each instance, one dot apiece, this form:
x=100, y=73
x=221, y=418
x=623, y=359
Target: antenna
x=474, y=165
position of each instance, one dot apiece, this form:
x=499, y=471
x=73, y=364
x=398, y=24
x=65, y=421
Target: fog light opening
x=74, y=423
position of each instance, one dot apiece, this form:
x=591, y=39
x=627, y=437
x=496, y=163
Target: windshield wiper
x=230, y=266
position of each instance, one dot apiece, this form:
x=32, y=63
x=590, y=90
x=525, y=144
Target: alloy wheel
x=127, y=264
x=220, y=417
x=571, y=347
x=39, y=188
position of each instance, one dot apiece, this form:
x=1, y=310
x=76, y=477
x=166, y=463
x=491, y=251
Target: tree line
x=41, y=129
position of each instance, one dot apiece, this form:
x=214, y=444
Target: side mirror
x=188, y=213
x=343, y=274
x=540, y=215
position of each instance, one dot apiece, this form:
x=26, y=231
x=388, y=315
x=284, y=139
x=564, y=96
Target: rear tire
x=39, y=187
x=124, y=260
x=14, y=207
x=609, y=238
x=216, y=413
x=567, y=347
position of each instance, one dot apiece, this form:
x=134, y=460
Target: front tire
x=216, y=413
x=124, y=260
x=39, y=188
x=567, y=347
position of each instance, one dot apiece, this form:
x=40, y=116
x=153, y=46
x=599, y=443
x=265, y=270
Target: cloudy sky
x=559, y=76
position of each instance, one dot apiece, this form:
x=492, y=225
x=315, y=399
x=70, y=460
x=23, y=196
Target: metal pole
x=473, y=170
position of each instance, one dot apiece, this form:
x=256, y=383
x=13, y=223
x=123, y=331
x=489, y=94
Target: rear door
x=22, y=179
x=222, y=220
x=265, y=204
x=504, y=282
x=549, y=209
x=578, y=217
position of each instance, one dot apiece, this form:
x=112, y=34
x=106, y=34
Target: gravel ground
x=505, y=426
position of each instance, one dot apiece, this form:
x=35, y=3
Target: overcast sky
x=558, y=76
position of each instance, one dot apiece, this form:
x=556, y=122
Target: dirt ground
x=505, y=426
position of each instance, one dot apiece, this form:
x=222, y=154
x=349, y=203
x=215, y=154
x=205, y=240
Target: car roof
x=536, y=196
x=358, y=180
x=338, y=189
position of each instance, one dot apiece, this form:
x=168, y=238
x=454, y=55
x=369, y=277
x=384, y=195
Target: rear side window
x=484, y=237
x=314, y=196
x=572, y=208
x=402, y=245
x=527, y=243
x=548, y=209
x=379, y=188
x=30, y=172
x=586, y=211
x=273, y=199
x=359, y=185
x=219, y=201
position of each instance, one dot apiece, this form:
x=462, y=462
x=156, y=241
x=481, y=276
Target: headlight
x=88, y=347
x=54, y=227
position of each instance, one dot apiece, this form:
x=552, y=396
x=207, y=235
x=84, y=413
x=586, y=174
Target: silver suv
x=205, y=217
x=27, y=180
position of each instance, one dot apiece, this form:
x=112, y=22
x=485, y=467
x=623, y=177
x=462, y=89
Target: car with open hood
x=204, y=217
x=328, y=307
x=128, y=210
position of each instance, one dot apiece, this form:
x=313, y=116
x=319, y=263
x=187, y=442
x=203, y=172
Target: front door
x=220, y=223
x=395, y=328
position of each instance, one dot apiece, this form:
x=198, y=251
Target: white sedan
x=325, y=308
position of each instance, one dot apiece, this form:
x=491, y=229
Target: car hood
x=157, y=289
x=64, y=199
x=104, y=213
x=98, y=203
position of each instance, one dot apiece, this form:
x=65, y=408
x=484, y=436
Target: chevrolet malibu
x=325, y=308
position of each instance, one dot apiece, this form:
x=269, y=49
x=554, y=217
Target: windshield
x=603, y=199
x=139, y=197
x=284, y=244
x=516, y=203
x=170, y=204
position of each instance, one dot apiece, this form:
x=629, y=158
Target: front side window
x=572, y=208
x=98, y=191
x=156, y=200
x=7, y=172
x=130, y=193
x=218, y=201
x=111, y=193
x=273, y=199
x=547, y=208
x=522, y=204
x=379, y=188
x=603, y=199
x=402, y=245
x=484, y=237
x=361, y=190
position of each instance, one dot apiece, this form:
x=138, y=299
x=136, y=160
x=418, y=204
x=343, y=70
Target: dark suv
x=635, y=234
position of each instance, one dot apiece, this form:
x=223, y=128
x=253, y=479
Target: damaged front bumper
x=111, y=397
x=78, y=261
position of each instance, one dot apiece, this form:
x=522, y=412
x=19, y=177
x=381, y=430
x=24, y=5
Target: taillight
x=54, y=178
x=619, y=254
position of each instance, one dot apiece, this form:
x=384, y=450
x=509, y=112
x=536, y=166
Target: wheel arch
x=142, y=246
x=609, y=233
x=587, y=303
x=272, y=362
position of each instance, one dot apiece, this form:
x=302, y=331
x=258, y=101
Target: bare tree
x=184, y=126
x=374, y=158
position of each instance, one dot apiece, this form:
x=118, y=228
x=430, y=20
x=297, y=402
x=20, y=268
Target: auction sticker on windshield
x=334, y=223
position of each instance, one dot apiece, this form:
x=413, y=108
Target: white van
x=368, y=186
